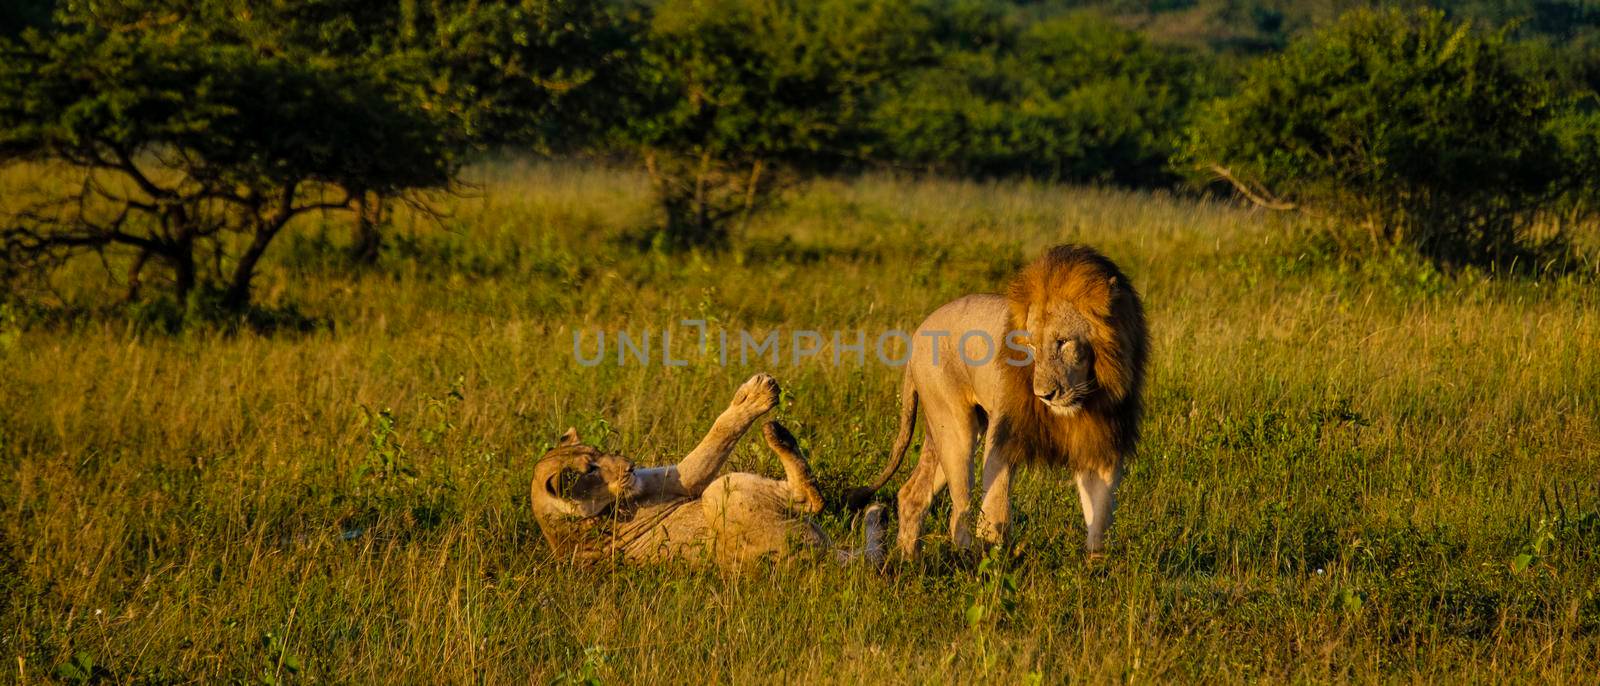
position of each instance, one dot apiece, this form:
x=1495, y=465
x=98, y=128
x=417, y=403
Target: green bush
x=1426, y=133
x=726, y=89
x=1073, y=98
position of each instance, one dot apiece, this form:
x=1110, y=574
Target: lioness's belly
x=740, y=517
x=663, y=531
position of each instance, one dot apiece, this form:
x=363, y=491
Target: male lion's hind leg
x=1097, y=492
x=994, y=515
x=797, y=472
x=953, y=440
x=916, y=496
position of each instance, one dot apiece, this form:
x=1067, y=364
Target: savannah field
x=1354, y=469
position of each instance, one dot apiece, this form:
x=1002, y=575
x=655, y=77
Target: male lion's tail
x=859, y=497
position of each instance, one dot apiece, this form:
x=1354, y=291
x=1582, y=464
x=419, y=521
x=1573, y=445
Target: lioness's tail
x=859, y=497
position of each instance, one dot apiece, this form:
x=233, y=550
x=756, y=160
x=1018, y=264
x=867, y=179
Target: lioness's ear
x=569, y=438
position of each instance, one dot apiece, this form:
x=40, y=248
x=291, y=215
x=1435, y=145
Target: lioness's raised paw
x=802, y=485
x=756, y=396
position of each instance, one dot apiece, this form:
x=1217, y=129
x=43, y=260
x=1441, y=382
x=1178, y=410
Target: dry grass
x=1343, y=462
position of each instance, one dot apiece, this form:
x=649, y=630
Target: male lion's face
x=580, y=481
x=1063, y=359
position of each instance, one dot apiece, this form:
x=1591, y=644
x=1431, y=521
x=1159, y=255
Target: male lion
x=1058, y=383
x=595, y=505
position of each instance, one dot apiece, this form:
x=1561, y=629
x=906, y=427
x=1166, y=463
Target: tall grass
x=1354, y=469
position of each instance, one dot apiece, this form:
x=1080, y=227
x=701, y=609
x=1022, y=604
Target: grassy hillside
x=1365, y=471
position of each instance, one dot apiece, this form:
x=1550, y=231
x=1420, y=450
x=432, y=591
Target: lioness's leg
x=695, y=471
x=1097, y=492
x=802, y=485
x=872, y=534
x=872, y=543
x=750, y=516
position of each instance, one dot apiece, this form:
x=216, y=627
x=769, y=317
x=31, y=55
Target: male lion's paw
x=756, y=396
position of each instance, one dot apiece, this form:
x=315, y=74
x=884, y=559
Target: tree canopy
x=1428, y=132
x=181, y=144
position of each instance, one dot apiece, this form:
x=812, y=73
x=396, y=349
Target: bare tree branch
x=126, y=165
x=1259, y=196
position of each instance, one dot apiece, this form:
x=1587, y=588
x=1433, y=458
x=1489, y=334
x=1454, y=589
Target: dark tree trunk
x=183, y=270
x=368, y=241
x=134, y=272
x=238, y=295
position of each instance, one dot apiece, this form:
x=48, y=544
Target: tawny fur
x=1106, y=431
x=592, y=505
x=1070, y=397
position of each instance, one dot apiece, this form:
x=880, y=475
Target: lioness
x=1060, y=384
x=594, y=505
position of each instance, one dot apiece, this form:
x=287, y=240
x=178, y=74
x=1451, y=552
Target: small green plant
x=587, y=672
x=1350, y=600
x=438, y=410
x=10, y=330
x=991, y=605
x=277, y=660
x=81, y=669
x=997, y=591
x=386, y=458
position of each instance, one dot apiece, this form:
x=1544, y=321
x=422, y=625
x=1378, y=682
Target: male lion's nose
x=1049, y=396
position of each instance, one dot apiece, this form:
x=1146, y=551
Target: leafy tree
x=1426, y=132
x=193, y=155
x=492, y=72
x=730, y=92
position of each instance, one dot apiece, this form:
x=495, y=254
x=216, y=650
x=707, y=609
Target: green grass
x=1353, y=469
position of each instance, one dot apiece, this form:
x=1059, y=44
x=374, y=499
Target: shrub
x=1426, y=133
x=1073, y=98
x=728, y=89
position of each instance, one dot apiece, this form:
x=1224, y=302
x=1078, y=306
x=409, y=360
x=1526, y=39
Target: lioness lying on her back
x=593, y=505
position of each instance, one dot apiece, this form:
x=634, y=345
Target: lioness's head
x=1082, y=323
x=577, y=480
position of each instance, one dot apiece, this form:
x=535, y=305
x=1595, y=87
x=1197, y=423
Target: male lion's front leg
x=1097, y=492
x=753, y=399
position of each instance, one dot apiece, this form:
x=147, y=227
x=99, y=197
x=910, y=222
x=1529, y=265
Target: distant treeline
x=1072, y=90
x=1456, y=130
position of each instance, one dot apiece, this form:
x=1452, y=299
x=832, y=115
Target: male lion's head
x=577, y=480
x=1085, y=329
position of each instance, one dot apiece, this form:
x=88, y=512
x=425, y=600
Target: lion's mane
x=1106, y=429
